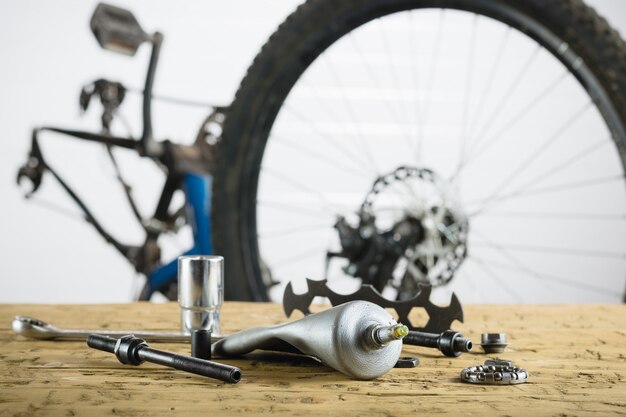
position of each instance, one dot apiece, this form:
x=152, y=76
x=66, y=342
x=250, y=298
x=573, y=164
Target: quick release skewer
x=131, y=350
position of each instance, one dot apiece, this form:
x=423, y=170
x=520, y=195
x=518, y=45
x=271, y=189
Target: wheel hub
x=409, y=229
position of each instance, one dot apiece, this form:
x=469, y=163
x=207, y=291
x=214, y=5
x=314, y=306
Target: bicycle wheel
x=475, y=145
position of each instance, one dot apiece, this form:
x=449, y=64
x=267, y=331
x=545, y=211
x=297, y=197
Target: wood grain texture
x=576, y=356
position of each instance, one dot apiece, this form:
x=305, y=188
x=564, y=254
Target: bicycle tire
x=316, y=25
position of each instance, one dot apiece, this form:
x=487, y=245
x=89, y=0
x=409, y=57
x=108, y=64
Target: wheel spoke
x=551, y=216
x=498, y=280
x=429, y=86
x=509, y=92
x=332, y=208
x=332, y=140
x=415, y=117
x=551, y=278
x=364, y=145
x=461, y=275
x=526, y=110
x=541, y=277
x=468, y=89
x=396, y=83
x=415, y=198
x=407, y=198
x=554, y=250
x=327, y=159
x=545, y=145
x=296, y=258
x=554, y=170
x=535, y=191
x=332, y=116
x=270, y=234
x=493, y=73
x=493, y=139
x=306, y=210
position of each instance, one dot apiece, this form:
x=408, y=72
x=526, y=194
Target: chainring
x=439, y=318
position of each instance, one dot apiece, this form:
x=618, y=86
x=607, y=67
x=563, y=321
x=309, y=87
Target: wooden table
x=576, y=356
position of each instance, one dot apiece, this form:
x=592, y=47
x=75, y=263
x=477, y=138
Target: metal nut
x=407, y=362
x=493, y=342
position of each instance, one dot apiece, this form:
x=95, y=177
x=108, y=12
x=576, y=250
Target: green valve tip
x=400, y=331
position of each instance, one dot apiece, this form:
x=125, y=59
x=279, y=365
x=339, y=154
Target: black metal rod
x=103, y=343
x=196, y=366
x=422, y=339
x=450, y=343
x=133, y=351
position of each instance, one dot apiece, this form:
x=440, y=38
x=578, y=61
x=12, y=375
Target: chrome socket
x=200, y=292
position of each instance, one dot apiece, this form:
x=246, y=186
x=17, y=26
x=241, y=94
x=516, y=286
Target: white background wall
x=47, y=54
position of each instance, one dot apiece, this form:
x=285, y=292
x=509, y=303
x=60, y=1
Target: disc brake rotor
x=410, y=229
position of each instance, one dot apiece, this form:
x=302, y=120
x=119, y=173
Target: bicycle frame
x=186, y=170
x=197, y=189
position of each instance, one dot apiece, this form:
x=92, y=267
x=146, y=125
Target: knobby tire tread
x=295, y=44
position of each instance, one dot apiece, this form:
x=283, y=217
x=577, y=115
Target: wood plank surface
x=576, y=357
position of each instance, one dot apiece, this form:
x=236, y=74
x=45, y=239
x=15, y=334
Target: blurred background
x=48, y=254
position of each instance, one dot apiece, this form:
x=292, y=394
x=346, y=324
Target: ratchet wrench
x=38, y=329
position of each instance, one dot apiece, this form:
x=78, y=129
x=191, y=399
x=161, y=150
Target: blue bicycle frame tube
x=197, y=189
